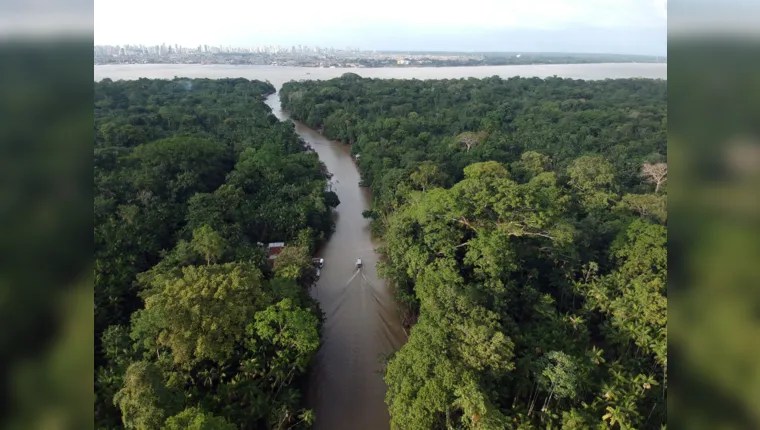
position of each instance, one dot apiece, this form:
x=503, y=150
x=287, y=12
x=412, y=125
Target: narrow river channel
x=362, y=324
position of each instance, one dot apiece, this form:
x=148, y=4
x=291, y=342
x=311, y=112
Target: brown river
x=362, y=323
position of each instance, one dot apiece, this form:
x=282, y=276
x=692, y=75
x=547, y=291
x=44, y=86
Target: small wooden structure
x=275, y=248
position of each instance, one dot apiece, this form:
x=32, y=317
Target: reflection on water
x=362, y=324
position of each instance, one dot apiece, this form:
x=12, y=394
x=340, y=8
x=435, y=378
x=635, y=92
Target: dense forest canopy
x=524, y=225
x=193, y=327
x=397, y=124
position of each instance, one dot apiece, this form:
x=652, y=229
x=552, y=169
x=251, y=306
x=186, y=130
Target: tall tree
x=144, y=401
x=199, y=313
x=656, y=173
x=196, y=419
x=593, y=179
x=208, y=243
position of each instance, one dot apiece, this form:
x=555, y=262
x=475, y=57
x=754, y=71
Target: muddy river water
x=362, y=324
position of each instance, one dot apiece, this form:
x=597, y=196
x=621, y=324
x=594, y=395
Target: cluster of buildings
x=316, y=56
x=106, y=51
x=296, y=55
x=209, y=54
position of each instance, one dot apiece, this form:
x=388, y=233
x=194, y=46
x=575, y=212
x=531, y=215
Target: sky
x=594, y=26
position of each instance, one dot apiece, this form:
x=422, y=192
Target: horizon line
x=385, y=50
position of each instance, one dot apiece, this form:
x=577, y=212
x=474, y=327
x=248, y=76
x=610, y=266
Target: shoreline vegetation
x=523, y=220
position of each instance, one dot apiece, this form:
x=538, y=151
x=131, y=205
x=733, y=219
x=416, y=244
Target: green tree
x=293, y=262
x=533, y=163
x=199, y=313
x=208, y=243
x=592, y=178
x=291, y=335
x=196, y=419
x=646, y=205
x=560, y=377
x=427, y=175
x=144, y=400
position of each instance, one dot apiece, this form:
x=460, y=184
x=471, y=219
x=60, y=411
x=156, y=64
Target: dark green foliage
x=522, y=236
x=401, y=123
x=189, y=175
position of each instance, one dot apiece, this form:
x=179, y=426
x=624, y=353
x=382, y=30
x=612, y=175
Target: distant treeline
x=488, y=61
x=538, y=56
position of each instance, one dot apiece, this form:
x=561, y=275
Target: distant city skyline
x=577, y=26
x=205, y=47
x=208, y=48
